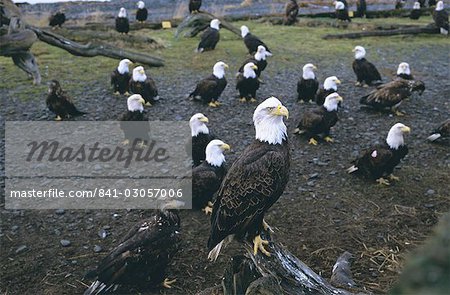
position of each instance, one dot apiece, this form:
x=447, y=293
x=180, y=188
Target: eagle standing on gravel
x=141, y=257
x=144, y=85
x=142, y=12
x=254, y=182
x=365, y=71
x=308, y=85
x=379, y=161
x=208, y=176
x=341, y=11
x=443, y=131
x=251, y=41
x=247, y=83
x=120, y=77
x=200, y=138
x=392, y=94
x=416, y=12
x=60, y=103
x=329, y=86
x=209, y=89
x=122, y=22
x=291, y=13
x=320, y=120
x=440, y=17
x=134, y=124
x=210, y=37
x=404, y=72
x=259, y=59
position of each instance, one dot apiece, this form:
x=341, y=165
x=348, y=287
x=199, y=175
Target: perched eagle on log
x=329, y=86
x=392, y=94
x=416, y=12
x=341, y=11
x=308, y=85
x=259, y=59
x=134, y=124
x=320, y=120
x=209, y=89
x=404, y=72
x=247, y=83
x=120, y=77
x=440, y=17
x=208, y=176
x=291, y=13
x=443, y=131
x=210, y=37
x=141, y=12
x=122, y=22
x=57, y=19
x=200, y=137
x=60, y=103
x=141, y=257
x=144, y=85
x=254, y=182
x=194, y=6
x=366, y=72
x=379, y=161
x=251, y=41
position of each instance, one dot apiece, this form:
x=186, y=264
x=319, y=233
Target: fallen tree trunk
x=402, y=31
x=200, y=21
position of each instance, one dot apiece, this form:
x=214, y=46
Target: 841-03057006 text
x=156, y=193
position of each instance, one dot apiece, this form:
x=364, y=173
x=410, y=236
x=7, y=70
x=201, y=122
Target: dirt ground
x=322, y=213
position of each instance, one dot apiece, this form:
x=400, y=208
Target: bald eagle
x=440, y=17
x=208, y=176
x=400, y=3
x=259, y=60
x=209, y=89
x=291, y=13
x=141, y=257
x=120, y=77
x=254, y=182
x=60, y=103
x=404, y=72
x=341, y=11
x=251, y=41
x=141, y=84
x=134, y=124
x=142, y=12
x=443, y=131
x=57, y=19
x=391, y=95
x=416, y=12
x=308, y=85
x=329, y=86
x=247, y=83
x=379, y=161
x=210, y=37
x=361, y=8
x=194, y=5
x=200, y=138
x=365, y=71
x=320, y=120
x=122, y=23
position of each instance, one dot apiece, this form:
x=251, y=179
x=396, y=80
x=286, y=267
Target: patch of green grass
x=292, y=47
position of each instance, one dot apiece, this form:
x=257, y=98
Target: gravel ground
x=322, y=213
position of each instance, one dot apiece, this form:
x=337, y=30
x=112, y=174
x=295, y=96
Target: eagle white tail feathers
x=433, y=137
x=352, y=169
x=214, y=253
x=444, y=31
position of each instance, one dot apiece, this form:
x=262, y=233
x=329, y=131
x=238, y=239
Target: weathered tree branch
x=402, y=31
x=200, y=21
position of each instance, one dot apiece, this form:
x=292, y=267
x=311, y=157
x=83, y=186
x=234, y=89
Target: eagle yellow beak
x=406, y=129
x=338, y=81
x=141, y=100
x=353, y=50
x=142, y=72
x=281, y=111
x=340, y=98
x=204, y=120
x=255, y=67
x=314, y=67
x=226, y=66
x=225, y=147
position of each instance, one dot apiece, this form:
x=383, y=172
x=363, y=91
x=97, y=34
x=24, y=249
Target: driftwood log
x=198, y=22
x=17, y=39
x=431, y=29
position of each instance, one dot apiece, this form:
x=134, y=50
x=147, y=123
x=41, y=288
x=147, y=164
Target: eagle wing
x=252, y=185
x=311, y=119
x=209, y=39
x=292, y=9
x=388, y=94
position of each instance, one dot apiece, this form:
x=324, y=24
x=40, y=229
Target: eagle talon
x=58, y=118
x=116, y=93
x=253, y=99
x=393, y=177
x=258, y=243
x=167, y=283
x=148, y=104
x=218, y=103
x=142, y=145
x=126, y=142
x=212, y=104
x=127, y=93
x=328, y=139
x=312, y=141
x=398, y=113
x=383, y=181
x=208, y=210
x=358, y=84
x=301, y=101
x=242, y=99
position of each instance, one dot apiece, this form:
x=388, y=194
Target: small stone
x=21, y=249
x=97, y=249
x=310, y=183
x=314, y=175
x=102, y=233
x=106, y=227
x=14, y=227
x=116, y=216
x=60, y=211
x=427, y=205
x=430, y=192
x=333, y=172
x=65, y=243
